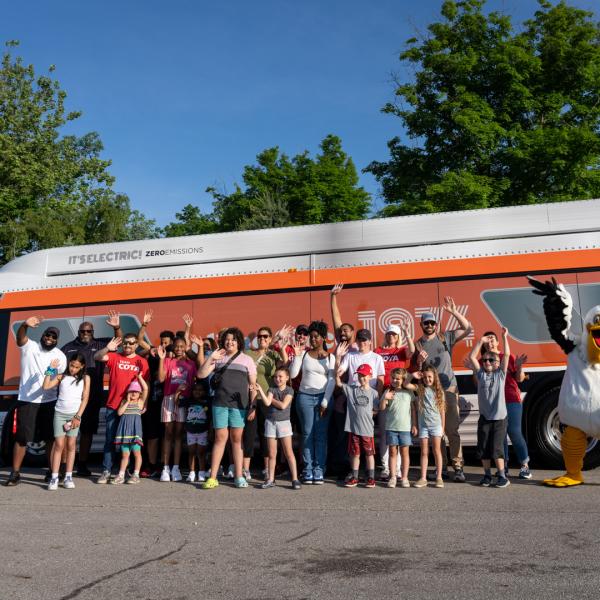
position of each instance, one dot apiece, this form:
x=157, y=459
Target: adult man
x=438, y=348
x=86, y=344
x=123, y=369
x=35, y=407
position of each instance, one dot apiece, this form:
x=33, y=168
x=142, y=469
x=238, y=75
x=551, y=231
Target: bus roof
x=485, y=232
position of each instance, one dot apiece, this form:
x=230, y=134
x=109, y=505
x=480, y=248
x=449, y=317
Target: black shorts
x=151, y=425
x=490, y=438
x=91, y=415
x=35, y=422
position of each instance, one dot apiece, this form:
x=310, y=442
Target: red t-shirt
x=393, y=358
x=179, y=372
x=122, y=371
x=512, y=393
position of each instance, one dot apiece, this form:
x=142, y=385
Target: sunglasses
x=86, y=331
x=429, y=323
x=51, y=335
x=263, y=336
x=130, y=343
x=489, y=360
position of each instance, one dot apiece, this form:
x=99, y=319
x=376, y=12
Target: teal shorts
x=59, y=420
x=224, y=417
x=126, y=448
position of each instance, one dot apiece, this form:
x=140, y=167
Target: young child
x=400, y=423
x=431, y=408
x=196, y=427
x=73, y=392
x=491, y=427
x=129, y=431
x=361, y=402
x=278, y=426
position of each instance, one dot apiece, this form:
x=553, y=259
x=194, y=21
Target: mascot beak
x=594, y=340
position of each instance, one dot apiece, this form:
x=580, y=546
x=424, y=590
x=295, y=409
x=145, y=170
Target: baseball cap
x=393, y=329
x=428, y=317
x=134, y=386
x=302, y=329
x=53, y=330
x=365, y=369
x=363, y=334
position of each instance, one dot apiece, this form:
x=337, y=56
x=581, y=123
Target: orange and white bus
x=393, y=270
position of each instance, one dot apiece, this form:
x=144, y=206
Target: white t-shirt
x=70, y=392
x=34, y=362
x=353, y=360
x=318, y=376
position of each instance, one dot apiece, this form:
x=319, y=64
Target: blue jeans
x=515, y=415
x=314, y=434
x=112, y=421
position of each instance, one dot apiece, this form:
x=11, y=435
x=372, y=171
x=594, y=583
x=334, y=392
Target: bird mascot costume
x=579, y=398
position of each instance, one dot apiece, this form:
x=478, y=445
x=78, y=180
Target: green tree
x=54, y=190
x=494, y=117
x=280, y=191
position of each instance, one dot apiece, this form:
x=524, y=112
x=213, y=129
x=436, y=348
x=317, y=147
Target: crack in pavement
x=299, y=537
x=91, y=584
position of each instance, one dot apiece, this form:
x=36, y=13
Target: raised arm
x=385, y=398
x=208, y=366
x=162, y=372
x=464, y=326
x=335, y=311
x=142, y=343
x=52, y=381
x=199, y=357
x=144, y=387
x=22, y=338
x=114, y=320
x=266, y=398
x=297, y=362
x=102, y=354
x=473, y=360
x=340, y=353
x=410, y=342
x=519, y=372
x=506, y=345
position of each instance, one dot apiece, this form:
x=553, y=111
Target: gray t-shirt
x=440, y=358
x=490, y=393
x=359, y=414
x=277, y=414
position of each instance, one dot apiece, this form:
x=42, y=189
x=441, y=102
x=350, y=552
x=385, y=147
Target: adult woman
x=316, y=387
x=395, y=356
x=266, y=362
x=234, y=373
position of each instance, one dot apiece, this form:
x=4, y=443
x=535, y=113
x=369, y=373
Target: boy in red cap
x=359, y=420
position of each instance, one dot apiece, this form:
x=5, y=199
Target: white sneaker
x=53, y=485
x=176, y=474
x=230, y=472
x=68, y=483
x=191, y=477
x=247, y=475
x=201, y=476
x=166, y=474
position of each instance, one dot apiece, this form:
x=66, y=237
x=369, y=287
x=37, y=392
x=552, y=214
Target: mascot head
x=592, y=325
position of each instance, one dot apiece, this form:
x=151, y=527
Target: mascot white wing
x=558, y=309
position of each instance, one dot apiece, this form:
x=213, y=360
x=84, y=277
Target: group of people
x=219, y=393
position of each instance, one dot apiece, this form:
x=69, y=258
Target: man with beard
x=35, y=406
x=86, y=344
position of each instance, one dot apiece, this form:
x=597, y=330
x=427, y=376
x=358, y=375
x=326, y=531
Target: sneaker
x=384, y=475
x=525, y=473
x=296, y=485
x=165, y=474
x=307, y=478
x=433, y=477
x=133, y=480
x=48, y=476
x=318, y=480
x=318, y=476
x=370, y=483
x=459, y=475
x=405, y=483
x=350, y=482
x=201, y=477
x=247, y=475
x=420, y=483
x=68, y=483
x=439, y=483
x=269, y=483
x=118, y=480
x=191, y=477
x=265, y=473
x=230, y=472
x=502, y=482
x=13, y=479
x=486, y=480
x=497, y=473
x=240, y=482
x=176, y=474
x=83, y=471
x=104, y=478
x=53, y=484
x=391, y=483
x=210, y=484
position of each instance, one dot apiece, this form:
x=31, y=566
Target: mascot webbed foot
x=562, y=482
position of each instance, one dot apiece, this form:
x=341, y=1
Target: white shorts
x=197, y=438
x=170, y=413
x=278, y=429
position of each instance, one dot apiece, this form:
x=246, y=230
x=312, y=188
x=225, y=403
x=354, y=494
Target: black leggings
x=251, y=428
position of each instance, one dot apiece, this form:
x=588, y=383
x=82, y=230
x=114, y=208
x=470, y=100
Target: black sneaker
x=486, y=480
x=83, y=471
x=502, y=482
x=296, y=485
x=13, y=479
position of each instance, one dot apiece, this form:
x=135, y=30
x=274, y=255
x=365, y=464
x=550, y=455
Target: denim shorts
x=398, y=438
x=429, y=432
x=224, y=417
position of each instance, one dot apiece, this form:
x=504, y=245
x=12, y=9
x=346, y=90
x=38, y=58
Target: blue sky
x=185, y=93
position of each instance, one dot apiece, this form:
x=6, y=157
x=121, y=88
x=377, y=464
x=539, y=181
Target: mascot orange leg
x=574, y=444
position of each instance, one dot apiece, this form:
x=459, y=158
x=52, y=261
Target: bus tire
x=35, y=455
x=545, y=432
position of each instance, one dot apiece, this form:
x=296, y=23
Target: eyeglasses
x=263, y=336
x=86, y=331
x=489, y=360
x=432, y=323
x=51, y=335
x=130, y=343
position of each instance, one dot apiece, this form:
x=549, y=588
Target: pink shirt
x=179, y=372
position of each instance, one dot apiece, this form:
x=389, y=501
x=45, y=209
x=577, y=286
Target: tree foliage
x=496, y=117
x=54, y=190
x=280, y=191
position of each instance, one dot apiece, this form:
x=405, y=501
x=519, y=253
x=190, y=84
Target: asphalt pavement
x=176, y=541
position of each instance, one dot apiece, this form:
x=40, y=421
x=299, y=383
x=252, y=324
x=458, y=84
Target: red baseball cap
x=365, y=369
